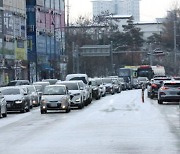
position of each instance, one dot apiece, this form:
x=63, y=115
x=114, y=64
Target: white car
x=76, y=92
x=87, y=83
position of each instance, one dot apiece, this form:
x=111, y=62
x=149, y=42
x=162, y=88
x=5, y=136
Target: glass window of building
x=47, y=3
x=57, y=5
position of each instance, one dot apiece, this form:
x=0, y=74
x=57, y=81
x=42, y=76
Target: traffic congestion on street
x=106, y=116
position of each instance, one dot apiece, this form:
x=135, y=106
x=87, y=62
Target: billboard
x=20, y=50
x=8, y=23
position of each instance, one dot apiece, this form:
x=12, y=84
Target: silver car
x=55, y=97
x=169, y=92
x=3, y=106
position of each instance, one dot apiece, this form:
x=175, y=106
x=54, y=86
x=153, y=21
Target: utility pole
x=111, y=58
x=175, y=41
x=151, y=54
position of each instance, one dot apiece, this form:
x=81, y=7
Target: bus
x=127, y=75
x=145, y=71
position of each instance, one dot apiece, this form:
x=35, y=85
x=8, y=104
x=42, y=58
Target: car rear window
x=71, y=86
x=80, y=78
x=172, y=84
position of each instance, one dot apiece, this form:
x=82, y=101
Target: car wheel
x=80, y=106
x=160, y=102
x=151, y=96
x=43, y=112
x=68, y=110
x=23, y=110
x=28, y=108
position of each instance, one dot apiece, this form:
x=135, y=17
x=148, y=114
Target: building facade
x=13, y=40
x=117, y=7
x=46, y=37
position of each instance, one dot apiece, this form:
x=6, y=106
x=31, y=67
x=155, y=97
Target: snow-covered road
x=118, y=123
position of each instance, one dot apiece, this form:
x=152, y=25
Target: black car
x=108, y=82
x=96, y=91
x=18, y=82
x=153, y=87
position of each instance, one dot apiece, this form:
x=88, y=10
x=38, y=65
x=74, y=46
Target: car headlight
x=78, y=100
x=18, y=101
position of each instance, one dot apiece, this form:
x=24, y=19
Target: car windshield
x=10, y=91
x=71, y=86
x=93, y=83
x=55, y=90
x=31, y=89
x=106, y=80
x=12, y=83
x=80, y=78
x=38, y=87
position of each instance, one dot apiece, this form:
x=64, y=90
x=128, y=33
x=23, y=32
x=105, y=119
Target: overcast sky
x=149, y=9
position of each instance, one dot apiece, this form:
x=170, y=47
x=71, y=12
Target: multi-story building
x=13, y=40
x=117, y=7
x=100, y=6
x=46, y=42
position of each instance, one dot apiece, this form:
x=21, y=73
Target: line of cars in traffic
x=164, y=89
x=51, y=94
x=77, y=90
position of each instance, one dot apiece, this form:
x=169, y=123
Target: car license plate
x=53, y=105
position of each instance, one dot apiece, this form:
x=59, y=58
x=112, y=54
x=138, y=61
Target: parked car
x=18, y=82
x=55, y=97
x=109, y=85
x=16, y=98
x=169, y=92
x=76, y=93
x=101, y=86
x=85, y=79
x=96, y=91
x=154, y=85
x=3, y=106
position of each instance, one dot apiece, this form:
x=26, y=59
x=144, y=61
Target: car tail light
x=164, y=88
x=154, y=85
